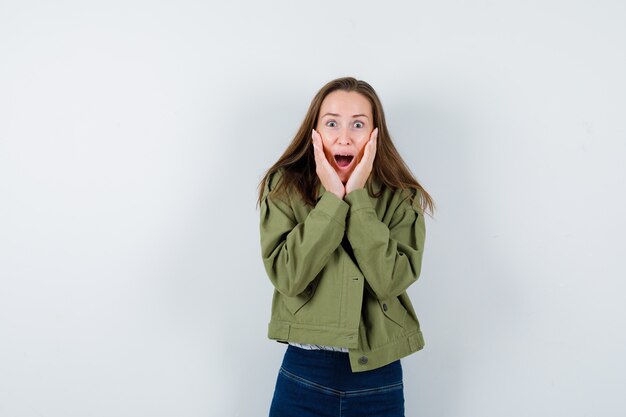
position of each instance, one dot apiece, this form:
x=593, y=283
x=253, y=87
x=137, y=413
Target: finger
x=367, y=150
x=374, y=135
x=318, y=140
x=320, y=145
x=372, y=150
x=320, y=155
x=316, y=150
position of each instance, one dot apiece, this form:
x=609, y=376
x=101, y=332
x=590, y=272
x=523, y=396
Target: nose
x=344, y=136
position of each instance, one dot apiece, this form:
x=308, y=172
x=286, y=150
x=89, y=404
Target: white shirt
x=319, y=347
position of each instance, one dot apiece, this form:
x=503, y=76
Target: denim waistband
x=332, y=370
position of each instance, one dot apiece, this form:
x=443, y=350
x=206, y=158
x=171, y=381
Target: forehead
x=346, y=103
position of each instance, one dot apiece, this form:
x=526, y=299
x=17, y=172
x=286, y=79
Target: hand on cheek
x=325, y=171
x=363, y=169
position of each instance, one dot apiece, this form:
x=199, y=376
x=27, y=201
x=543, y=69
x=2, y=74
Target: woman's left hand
x=364, y=167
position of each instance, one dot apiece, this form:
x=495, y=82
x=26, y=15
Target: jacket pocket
x=294, y=304
x=393, y=310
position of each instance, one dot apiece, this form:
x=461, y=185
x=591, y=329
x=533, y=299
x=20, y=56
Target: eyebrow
x=337, y=115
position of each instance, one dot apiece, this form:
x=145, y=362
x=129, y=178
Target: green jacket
x=340, y=271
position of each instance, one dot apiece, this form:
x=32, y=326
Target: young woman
x=342, y=236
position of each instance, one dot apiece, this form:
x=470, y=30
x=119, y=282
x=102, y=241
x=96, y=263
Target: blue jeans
x=314, y=383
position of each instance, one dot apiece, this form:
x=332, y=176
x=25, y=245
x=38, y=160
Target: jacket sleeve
x=389, y=257
x=295, y=253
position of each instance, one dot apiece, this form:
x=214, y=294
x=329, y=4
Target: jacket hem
x=360, y=360
x=383, y=355
x=311, y=334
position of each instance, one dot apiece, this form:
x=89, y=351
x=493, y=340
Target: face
x=345, y=123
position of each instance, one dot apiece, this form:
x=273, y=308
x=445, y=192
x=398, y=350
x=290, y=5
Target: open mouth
x=343, y=160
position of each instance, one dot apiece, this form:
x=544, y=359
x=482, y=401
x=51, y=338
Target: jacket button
x=385, y=307
x=362, y=360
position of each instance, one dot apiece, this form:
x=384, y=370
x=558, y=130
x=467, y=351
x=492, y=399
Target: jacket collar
x=376, y=185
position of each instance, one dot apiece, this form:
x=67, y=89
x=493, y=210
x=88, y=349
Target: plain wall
x=133, y=135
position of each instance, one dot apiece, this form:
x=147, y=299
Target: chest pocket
x=294, y=304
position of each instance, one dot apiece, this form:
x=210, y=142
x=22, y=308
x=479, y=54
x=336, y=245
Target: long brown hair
x=298, y=160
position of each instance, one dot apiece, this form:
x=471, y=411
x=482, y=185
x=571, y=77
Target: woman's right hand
x=325, y=171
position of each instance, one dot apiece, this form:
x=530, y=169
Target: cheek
x=325, y=142
x=362, y=147
x=329, y=156
x=365, y=137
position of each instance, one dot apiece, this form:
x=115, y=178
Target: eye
x=328, y=123
x=358, y=123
